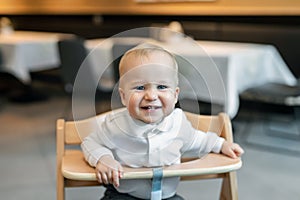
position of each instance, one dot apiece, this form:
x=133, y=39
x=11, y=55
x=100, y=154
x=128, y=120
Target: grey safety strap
x=156, y=193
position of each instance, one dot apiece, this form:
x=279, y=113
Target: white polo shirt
x=137, y=144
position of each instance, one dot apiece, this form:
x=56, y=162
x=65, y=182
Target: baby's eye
x=161, y=87
x=139, y=88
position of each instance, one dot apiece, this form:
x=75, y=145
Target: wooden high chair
x=74, y=171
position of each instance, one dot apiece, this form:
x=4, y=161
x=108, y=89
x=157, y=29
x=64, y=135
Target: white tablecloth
x=25, y=51
x=215, y=72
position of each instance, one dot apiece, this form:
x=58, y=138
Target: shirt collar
x=165, y=125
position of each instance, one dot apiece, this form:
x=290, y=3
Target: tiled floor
x=27, y=159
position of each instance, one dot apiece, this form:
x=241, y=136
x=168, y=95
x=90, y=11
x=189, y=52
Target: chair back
x=219, y=124
x=76, y=131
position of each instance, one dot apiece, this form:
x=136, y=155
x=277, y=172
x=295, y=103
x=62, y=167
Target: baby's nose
x=151, y=94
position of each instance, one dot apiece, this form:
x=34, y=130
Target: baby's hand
x=232, y=150
x=108, y=170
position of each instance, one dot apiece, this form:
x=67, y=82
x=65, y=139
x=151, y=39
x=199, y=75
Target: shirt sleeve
x=93, y=149
x=94, y=146
x=218, y=143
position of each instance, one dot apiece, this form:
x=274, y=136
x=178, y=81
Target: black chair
x=274, y=93
x=72, y=54
x=272, y=99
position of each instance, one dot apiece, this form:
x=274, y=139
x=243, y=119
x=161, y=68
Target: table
x=222, y=70
x=217, y=72
x=26, y=51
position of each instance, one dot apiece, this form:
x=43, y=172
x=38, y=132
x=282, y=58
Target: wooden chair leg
x=60, y=189
x=60, y=182
x=229, y=189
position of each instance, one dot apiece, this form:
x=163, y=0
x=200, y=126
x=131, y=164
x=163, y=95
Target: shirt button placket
x=154, y=145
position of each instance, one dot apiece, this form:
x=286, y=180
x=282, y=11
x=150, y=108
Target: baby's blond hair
x=144, y=50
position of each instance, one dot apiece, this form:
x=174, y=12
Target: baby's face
x=149, y=88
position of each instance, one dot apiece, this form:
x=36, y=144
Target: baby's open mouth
x=151, y=107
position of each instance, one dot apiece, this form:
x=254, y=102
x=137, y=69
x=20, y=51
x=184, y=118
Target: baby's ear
x=177, y=90
x=122, y=95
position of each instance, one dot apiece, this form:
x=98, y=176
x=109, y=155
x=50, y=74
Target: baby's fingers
x=102, y=177
x=231, y=153
x=115, y=176
x=238, y=150
x=99, y=178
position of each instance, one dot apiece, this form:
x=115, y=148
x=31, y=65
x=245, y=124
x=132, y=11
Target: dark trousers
x=112, y=194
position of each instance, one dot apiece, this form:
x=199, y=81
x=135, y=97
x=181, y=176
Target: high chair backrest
x=75, y=131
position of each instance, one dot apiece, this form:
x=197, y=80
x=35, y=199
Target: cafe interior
x=238, y=57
